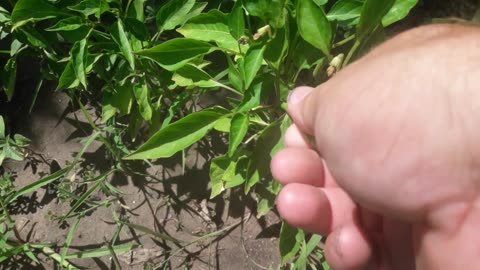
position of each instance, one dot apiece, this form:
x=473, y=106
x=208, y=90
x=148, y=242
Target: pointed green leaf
x=236, y=21
x=271, y=11
x=34, y=10
x=142, y=95
x=137, y=10
x=68, y=24
x=252, y=63
x=277, y=48
x=118, y=34
x=2, y=128
x=218, y=167
x=173, y=13
x=211, y=26
x=344, y=10
x=371, y=16
x=79, y=54
x=400, y=10
x=9, y=77
x=290, y=241
x=37, y=184
x=100, y=252
x=234, y=76
x=21, y=140
x=179, y=135
x=175, y=53
x=314, y=26
x=137, y=28
x=190, y=75
x=90, y=7
x=238, y=130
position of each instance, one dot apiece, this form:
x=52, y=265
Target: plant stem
x=352, y=51
x=343, y=42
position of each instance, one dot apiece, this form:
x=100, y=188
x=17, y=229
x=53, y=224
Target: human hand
x=399, y=130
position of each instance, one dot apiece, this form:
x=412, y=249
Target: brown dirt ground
x=173, y=202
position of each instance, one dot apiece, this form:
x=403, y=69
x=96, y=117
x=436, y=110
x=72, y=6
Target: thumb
x=303, y=106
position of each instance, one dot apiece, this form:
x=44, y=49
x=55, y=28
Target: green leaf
x=79, y=54
x=252, y=98
x=259, y=166
x=173, y=13
x=30, y=35
x=158, y=235
x=2, y=128
x=218, y=167
x=175, y=53
x=271, y=11
x=320, y=2
x=115, y=100
x=98, y=181
x=234, y=76
x=196, y=10
x=371, y=16
x=9, y=77
x=190, y=75
x=68, y=24
x=137, y=28
x=137, y=10
x=314, y=26
x=307, y=249
x=290, y=241
x=142, y=95
x=238, y=130
x=400, y=10
x=21, y=140
x=4, y=15
x=37, y=184
x=34, y=10
x=179, y=135
x=223, y=125
x=345, y=10
x=277, y=48
x=236, y=21
x=118, y=34
x=211, y=26
x=252, y=63
x=90, y=7
x=100, y=252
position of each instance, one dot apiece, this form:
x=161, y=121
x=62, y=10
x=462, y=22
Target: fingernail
x=298, y=94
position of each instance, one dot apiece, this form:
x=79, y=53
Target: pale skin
x=393, y=179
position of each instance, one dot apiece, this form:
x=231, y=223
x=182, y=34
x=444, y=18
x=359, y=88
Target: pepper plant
x=144, y=64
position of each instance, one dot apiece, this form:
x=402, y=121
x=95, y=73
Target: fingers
x=316, y=210
x=296, y=101
x=348, y=248
x=298, y=165
x=295, y=138
x=328, y=211
x=301, y=165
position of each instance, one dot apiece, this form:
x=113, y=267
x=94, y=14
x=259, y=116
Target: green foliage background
x=144, y=64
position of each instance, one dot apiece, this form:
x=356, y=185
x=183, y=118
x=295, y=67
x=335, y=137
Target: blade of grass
x=69, y=238
x=29, y=253
x=146, y=230
x=35, y=95
x=5, y=255
x=114, y=256
x=37, y=184
x=99, y=252
x=56, y=257
x=199, y=239
x=85, y=195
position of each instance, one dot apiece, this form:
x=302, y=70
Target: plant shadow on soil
x=171, y=201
